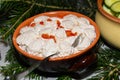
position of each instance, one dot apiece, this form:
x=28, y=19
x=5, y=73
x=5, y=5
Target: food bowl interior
x=59, y=14
x=100, y=8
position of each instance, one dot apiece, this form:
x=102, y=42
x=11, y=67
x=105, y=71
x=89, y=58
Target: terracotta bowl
x=109, y=25
x=67, y=60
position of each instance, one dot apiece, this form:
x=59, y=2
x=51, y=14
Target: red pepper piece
x=58, y=23
x=46, y=36
x=49, y=19
x=41, y=22
x=32, y=24
x=70, y=33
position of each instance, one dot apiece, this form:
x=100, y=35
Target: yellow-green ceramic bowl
x=109, y=26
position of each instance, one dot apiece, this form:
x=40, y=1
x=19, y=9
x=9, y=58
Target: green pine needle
x=64, y=78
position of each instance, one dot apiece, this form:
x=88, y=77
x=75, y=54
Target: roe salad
x=47, y=35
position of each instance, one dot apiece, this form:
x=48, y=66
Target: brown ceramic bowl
x=59, y=14
x=109, y=25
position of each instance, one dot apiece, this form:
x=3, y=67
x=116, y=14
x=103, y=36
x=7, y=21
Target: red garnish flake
x=41, y=22
x=47, y=36
x=58, y=23
x=53, y=37
x=49, y=19
x=32, y=24
x=60, y=27
x=70, y=33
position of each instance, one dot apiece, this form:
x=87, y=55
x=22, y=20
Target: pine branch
x=108, y=65
x=49, y=6
x=64, y=78
x=10, y=69
x=13, y=26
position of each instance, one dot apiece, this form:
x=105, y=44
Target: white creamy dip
x=47, y=35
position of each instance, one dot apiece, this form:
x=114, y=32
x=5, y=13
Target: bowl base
x=64, y=66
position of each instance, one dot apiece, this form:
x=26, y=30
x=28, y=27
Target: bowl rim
x=58, y=14
x=101, y=10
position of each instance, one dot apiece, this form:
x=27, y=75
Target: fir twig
x=108, y=65
x=64, y=78
x=12, y=27
x=49, y=6
x=10, y=69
